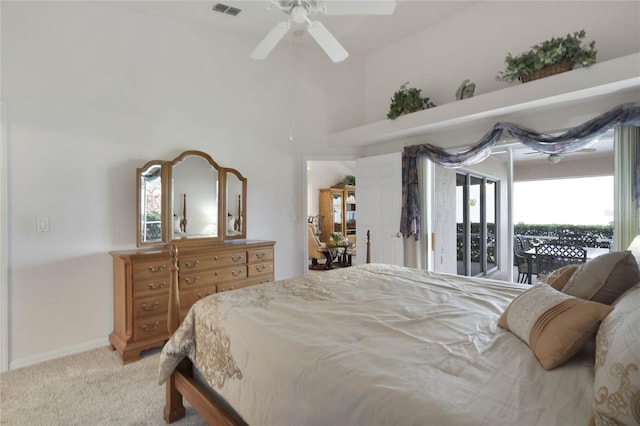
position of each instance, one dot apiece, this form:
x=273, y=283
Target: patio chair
x=520, y=259
x=551, y=256
x=582, y=240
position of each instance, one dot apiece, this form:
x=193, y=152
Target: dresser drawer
x=193, y=279
x=231, y=273
x=260, y=279
x=260, y=255
x=260, y=268
x=149, y=287
x=150, y=306
x=150, y=327
x=151, y=269
x=189, y=297
x=193, y=262
x=234, y=285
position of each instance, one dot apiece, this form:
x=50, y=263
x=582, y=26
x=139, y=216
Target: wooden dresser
x=141, y=281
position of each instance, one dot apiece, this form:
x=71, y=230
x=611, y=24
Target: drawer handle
x=146, y=327
x=215, y=257
x=208, y=294
x=150, y=308
x=191, y=264
x=153, y=286
x=261, y=268
x=236, y=273
x=190, y=280
x=237, y=258
x=157, y=268
x=261, y=255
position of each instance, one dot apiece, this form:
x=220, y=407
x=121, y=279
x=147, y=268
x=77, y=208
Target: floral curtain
x=572, y=140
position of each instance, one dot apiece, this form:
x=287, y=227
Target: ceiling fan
x=299, y=12
x=555, y=158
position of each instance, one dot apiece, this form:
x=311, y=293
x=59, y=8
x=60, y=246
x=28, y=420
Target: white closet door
x=379, y=198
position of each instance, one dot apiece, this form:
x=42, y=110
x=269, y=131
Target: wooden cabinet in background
x=338, y=211
x=141, y=281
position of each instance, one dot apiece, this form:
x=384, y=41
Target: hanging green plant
x=407, y=100
x=549, y=57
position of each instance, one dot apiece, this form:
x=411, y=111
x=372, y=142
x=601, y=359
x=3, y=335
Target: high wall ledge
x=613, y=77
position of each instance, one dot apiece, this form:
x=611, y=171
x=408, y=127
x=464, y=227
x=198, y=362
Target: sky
x=582, y=201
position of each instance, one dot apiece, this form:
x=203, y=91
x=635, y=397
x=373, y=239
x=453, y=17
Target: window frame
x=485, y=268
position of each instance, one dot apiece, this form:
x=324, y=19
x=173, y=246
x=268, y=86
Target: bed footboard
x=182, y=383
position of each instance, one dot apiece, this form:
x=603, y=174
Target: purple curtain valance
x=572, y=140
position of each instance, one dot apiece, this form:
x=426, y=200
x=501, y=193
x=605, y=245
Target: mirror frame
x=243, y=205
x=219, y=170
x=164, y=203
x=167, y=202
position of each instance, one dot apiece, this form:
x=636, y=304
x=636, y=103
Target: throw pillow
x=554, y=325
x=558, y=278
x=616, y=383
x=604, y=278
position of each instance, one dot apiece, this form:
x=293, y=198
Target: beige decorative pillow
x=617, y=371
x=558, y=278
x=553, y=324
x=604, y=278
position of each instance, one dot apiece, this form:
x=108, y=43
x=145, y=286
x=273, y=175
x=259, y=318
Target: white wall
x=91, y=93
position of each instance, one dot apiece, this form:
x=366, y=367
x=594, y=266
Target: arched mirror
x=195, y=187
x=151, y=224
x=190, y=197
x=235, y=204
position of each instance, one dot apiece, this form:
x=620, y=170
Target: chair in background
x=520, y=245
x=582, y=240
x=317, y=250
x=551, y=256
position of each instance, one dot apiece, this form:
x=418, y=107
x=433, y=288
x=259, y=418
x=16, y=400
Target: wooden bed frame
x=182, y=383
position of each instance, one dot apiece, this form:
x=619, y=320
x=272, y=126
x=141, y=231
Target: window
x=476, y=222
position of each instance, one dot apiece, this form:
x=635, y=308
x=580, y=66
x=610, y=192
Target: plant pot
x=552, y=69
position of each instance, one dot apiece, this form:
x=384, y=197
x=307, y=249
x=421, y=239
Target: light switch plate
x=42, y=224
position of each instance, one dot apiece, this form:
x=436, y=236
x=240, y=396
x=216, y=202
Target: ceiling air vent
x=223, y=8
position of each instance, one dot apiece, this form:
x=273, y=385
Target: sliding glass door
x=476, y=222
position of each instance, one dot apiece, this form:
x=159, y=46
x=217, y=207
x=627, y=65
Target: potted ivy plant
x=407, y=100
x=550, y=57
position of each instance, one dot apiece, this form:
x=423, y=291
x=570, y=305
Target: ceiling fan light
x=554, y=158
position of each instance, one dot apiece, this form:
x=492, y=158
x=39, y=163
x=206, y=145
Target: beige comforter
x=376, y=345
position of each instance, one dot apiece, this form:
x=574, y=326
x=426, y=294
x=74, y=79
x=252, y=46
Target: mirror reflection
x=150, y=211
x=195, y=198
x=235, y=225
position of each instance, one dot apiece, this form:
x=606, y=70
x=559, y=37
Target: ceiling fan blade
x=359, y=7
x=269, y=42
x=327, y=41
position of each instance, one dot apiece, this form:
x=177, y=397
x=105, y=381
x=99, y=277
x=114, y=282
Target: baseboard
x=71, y=350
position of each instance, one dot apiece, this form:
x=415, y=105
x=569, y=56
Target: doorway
x=321, y=172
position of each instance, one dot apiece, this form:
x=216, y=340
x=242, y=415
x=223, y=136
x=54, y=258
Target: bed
x=381, y=344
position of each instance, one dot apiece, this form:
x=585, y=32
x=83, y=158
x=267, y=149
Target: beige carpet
x=91, y=388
